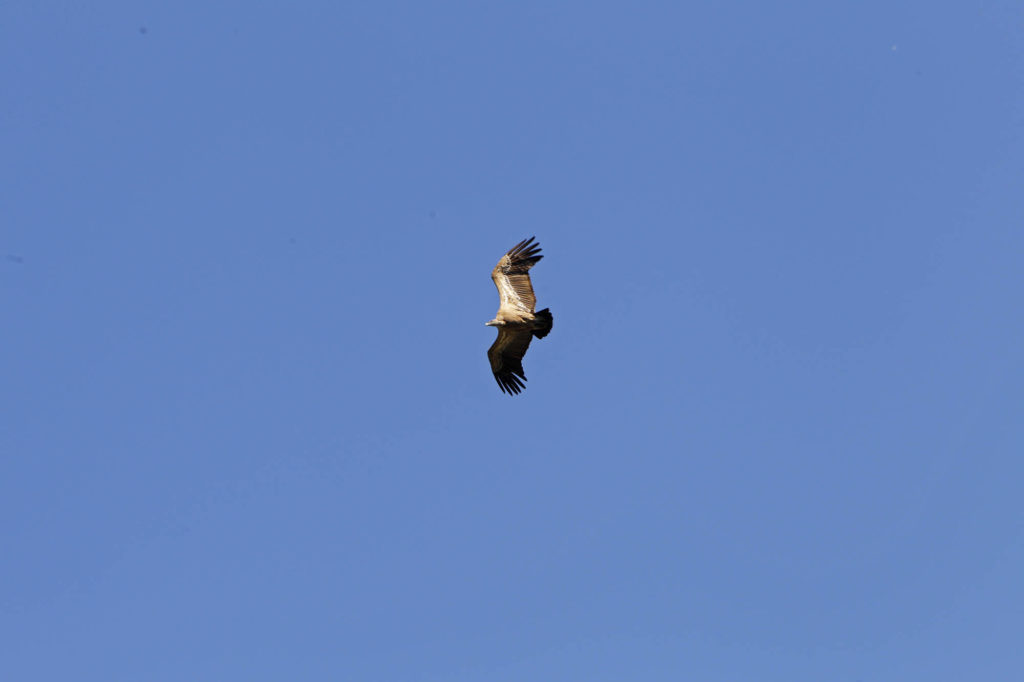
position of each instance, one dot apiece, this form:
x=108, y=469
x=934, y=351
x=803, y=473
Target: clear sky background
x=247, y=426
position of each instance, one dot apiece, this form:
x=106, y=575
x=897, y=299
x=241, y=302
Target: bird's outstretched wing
x=506, y=356
x=512, y=276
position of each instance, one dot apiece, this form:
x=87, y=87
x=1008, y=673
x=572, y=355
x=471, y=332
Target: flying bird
x=516, y=322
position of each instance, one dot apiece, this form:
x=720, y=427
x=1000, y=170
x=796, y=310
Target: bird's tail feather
x=545, y=319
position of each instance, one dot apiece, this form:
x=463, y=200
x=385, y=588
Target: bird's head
x=494, y=323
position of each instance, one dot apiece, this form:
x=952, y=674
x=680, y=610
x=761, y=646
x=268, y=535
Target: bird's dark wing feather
x=506, y=356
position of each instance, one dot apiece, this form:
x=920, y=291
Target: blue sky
x=247, y=425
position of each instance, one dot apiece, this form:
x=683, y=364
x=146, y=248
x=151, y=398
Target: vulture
x=516, y=322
